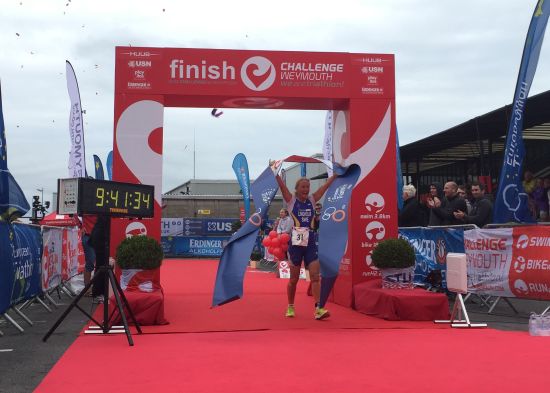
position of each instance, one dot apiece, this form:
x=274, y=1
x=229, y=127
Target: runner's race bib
x=300, y=236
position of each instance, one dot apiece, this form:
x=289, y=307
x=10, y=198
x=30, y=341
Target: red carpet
x=307, y=361
x=347, y=353
x=188, y=287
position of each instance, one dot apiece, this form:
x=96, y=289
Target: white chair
x=457, y=281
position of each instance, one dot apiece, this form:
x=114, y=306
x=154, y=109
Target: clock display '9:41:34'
x=117, y=199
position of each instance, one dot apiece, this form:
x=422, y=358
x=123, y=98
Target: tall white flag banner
x=327, y=142
x=77, y=158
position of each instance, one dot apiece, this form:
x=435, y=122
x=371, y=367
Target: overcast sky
x=454, y=60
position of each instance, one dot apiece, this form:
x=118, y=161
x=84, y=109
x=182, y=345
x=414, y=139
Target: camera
x=38, y=210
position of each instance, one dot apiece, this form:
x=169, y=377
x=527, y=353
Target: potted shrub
x=395, y=258
x=140, y=258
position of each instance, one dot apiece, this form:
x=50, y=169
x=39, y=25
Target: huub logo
x=258, y=73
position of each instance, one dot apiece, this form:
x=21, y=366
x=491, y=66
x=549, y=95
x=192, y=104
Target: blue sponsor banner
x=400, y=200
x=109, y=164
x=196, y=226
x=26, y=262
x=98, y=166
x=333, y=230
x=218, y=226
x=511, y=199
x=13, y=203
x=236, y=255
x=431, y=246
x=240, y=167
x=20, y=254
x=192, y=246
x=6, y=271
x=192, y=227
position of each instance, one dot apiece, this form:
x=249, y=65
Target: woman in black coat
x=411, y=213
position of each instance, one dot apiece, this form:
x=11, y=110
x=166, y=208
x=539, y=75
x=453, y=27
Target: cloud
x=454, y=61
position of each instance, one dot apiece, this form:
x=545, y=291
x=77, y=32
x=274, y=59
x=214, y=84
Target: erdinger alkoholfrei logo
x=375, y=230
x=258, y=73
x=375, y=203
x=519, y=265
x=521, y=287
x=136, y=229
x=523, y=241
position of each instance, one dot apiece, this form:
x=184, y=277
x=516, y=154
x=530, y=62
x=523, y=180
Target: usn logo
x=375, y=203
x=375, y=230
x=258, y=73
x=523, y=241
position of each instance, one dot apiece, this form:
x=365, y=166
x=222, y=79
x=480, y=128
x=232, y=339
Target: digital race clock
x=92, y=196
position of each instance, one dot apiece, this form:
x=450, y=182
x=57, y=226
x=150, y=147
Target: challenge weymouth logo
x=258, y=73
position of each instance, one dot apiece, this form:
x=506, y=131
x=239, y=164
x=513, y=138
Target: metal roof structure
x=486, y=133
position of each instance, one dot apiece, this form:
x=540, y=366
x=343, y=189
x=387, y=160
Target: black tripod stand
x=104, y=272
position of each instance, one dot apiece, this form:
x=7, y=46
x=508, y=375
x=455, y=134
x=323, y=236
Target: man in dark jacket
x=482, y=209
x=449, y=205
x=411, y=213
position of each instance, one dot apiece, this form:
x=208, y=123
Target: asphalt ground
x=25, y=359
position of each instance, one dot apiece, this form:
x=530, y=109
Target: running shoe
x=290, y=312
x=321, y=313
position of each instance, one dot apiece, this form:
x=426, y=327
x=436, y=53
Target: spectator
x=98, y=240
x=285, y=222
x=529, y=184
x=411, y=213
x=434, y=200
x=482, y=208
x=88, y=222
x=450, y=204
x=540, y=200
x=317, y=217
x=462, y=192
x=546, y=184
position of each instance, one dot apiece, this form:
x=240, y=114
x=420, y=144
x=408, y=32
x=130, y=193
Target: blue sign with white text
x=431, y=246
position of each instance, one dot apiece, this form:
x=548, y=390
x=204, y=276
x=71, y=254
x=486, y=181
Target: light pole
x=41, y=190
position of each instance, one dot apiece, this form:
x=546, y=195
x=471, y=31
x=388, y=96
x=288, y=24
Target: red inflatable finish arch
x=358, y=87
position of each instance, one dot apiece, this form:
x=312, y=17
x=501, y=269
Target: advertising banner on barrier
x=73, y=253
x=189, y=246
x=431, y=247
x=5, y=266
x=52, y=253
x=510, y=262
x=530, y=267
x=196, y=226
x=25, y=261
x=171, y=226
x=218, y=226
